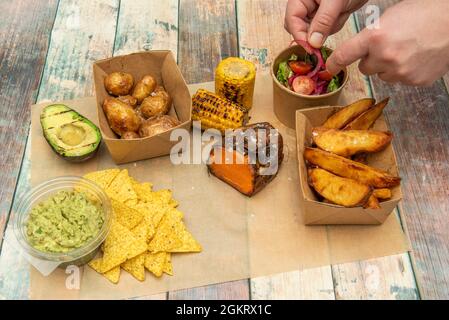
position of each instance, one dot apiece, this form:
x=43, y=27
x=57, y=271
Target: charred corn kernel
x=234, y=80
x=216, y=112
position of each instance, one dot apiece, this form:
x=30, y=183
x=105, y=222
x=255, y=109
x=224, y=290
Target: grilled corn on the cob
x=234, y=80
x=216, y=112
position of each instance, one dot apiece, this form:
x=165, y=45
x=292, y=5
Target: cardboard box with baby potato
x=141, y=98
x=347, y=166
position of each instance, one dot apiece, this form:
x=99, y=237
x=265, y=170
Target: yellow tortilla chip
x=142, y=189
x=112, y=275
x=144, y=230
x=155, y=262
x=135, y=267
x=173, y=203
x=189, y=244
x=126, y=216
x=168, y=234
x=168, y=267
x=121, y=188
x=102, y=178
x=120, y=245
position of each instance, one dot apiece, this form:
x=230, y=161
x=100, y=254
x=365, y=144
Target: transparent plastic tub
x=78, y=256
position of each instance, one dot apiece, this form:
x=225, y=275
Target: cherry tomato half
x=303, y=85
x=324, y=75
x=300, y=67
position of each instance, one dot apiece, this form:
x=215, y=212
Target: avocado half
x=72, y=136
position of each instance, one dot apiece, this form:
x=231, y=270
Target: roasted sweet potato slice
x=248, y=177
x=240, y=176
x=372, y=203
x=349, y=142
x=343, y=191
x=350, y=169
x=367, y=119
x=383, y=194
x=345, y=115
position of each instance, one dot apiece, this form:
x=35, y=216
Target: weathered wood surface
x=207, y=34
x=418, y=119
x=24, y=32
x=147, y=25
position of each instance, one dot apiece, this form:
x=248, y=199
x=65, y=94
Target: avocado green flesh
x=69, y=134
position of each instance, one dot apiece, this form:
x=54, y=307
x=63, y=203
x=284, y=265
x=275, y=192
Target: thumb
x=348, y=52
x=323, y=21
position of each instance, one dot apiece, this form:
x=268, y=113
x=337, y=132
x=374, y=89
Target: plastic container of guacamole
x=62, y=221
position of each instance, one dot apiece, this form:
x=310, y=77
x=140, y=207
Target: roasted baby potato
x=345, y=115
x=367, y=119
x=156, y=104
x=383, y=194
x=118, y=83
x=130, y=135
x=144, y=88
x=343, y=191
x=156, y=125
x=349, y=142
x=350, y=169
x=121, y=117
x=128, y=100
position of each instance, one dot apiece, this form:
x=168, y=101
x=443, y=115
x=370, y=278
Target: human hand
x=410, y=46
x=315, y=20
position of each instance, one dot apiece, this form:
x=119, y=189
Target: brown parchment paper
x=241, y=237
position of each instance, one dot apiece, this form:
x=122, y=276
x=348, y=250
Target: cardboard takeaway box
x=319, y=213
x=162, y=65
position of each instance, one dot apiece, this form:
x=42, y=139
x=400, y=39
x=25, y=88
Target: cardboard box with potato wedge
x=347, y=167
x=141, y=98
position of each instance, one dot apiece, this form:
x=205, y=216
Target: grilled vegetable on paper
x=234, y=80
x=252, y=160
x=216, y=112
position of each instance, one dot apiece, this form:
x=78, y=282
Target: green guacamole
x=63, y=222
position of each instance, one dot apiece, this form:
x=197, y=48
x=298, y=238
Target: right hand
x=315, y=20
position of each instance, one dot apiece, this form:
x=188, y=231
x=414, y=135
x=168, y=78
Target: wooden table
x=46, y=52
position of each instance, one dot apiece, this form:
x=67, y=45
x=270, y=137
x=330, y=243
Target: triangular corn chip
x=155, y=262
x=120, y=245
x=121, y=188
x=168, y=234
x=126, y=216
x=168, y=267
x=135, y=267
x=102, y=178
x=112, y=275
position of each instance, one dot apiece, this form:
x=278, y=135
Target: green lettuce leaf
x=334, y=84
x=284, y=72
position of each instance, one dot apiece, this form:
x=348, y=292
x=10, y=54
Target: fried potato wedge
x=350, y=169
x=343, y=191
x=345, y=115
x=367, y=119
x=349, y=142
x=383, y=194
x=372, y=203
x=360, y=157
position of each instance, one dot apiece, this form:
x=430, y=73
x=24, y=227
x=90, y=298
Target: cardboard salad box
x=319, y=213
x=160, y=64
x=286, y=102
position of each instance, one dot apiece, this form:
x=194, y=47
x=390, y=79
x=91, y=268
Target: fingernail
x=316, y=39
